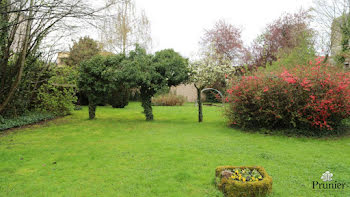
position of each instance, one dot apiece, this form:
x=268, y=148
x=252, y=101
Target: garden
x=269, y=118
x=121, y=154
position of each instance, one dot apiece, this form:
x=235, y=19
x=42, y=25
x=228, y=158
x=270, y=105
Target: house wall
x=336, y=37
x=188, y=91
x=19, y=37
x=61, y=56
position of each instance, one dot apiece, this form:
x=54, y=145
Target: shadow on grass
x=343, y=131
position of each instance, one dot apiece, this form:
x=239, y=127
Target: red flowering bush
x=315, y=97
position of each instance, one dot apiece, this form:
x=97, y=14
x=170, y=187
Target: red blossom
x=317, y=95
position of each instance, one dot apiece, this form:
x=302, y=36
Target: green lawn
x=120, y=154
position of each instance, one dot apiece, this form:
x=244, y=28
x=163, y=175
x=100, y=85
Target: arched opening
x=221, y=95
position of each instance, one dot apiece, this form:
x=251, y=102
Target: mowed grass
x=120, y=154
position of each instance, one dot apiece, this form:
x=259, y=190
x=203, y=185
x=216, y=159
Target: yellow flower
x=243, y=179
x=260, y=177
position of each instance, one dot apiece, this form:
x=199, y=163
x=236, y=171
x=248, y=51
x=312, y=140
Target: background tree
x=222, y=41
x=82, y=50
x=280, y=37
x=226, y=41
x=123, y=27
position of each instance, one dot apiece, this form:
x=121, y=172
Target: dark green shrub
x=233, y=188
x=25, y=119
x=134, y=94
x=82, y=99
x=119, y=97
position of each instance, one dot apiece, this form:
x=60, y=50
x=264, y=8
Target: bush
x=35, y=73
x=314, y=97
x=234, y=188
x=168, y=100
x=56, y=99
x=29, y=118
x=119, y=97
x=58, y=95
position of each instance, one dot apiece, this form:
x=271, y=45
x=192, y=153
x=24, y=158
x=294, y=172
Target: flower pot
x=234, y=184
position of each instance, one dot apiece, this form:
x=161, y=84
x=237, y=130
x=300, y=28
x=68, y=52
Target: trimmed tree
x=99, y=76
x=118, y=95
x=152, y=73
x=94, y=81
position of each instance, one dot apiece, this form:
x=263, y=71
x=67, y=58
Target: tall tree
x=24, y=25
x=123, y=27
x=281, y=36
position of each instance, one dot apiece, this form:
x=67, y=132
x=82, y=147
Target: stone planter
x=228, y=183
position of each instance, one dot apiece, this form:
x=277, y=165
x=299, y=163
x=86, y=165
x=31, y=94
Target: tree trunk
x=147, y=106
x=200, y=112
x=326, y=58
x=146, y=98
x=21, y=59
x=92, y=110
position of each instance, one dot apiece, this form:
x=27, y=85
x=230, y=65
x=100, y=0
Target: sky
x=180, y=24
